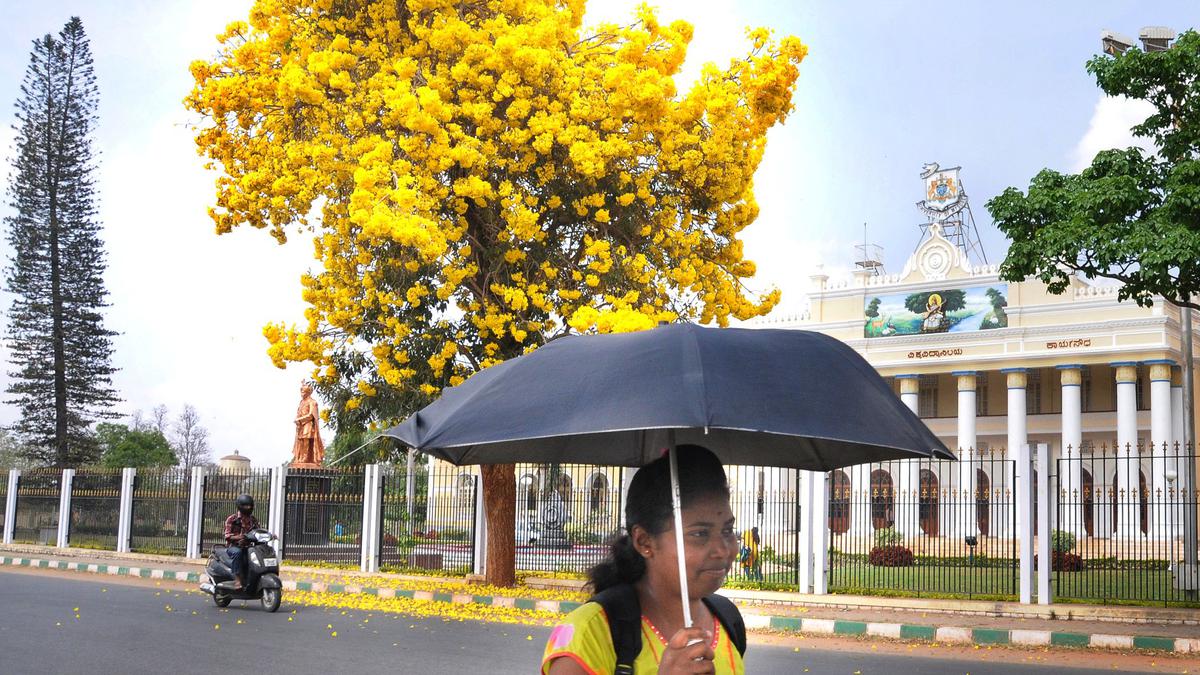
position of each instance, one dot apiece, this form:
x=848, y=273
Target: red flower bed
x=1062, y=562
x=890, y=556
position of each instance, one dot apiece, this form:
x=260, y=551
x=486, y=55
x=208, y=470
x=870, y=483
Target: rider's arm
x=230, y=536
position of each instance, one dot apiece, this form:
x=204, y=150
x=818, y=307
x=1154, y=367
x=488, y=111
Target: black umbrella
x=787, y=398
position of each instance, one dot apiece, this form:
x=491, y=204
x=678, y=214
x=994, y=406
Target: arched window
x=883, y=504
x=1089, y=501
x=761, y=497
x=1143, y=504
x=464, y=489
x=983, y=502
x=929, y=503
x=598, y=497
x=839, y=503
x=528, y=490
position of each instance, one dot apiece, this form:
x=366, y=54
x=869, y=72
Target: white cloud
x=1110, y=127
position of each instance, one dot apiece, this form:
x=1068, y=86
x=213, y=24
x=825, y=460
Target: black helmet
x=245, y=502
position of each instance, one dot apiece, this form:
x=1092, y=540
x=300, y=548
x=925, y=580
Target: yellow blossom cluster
x=482, y=176
x=423, y=608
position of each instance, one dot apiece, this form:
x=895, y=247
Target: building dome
x=234, y=462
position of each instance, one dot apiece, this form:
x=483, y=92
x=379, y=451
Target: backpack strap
x=624, y=614
x=731, y=619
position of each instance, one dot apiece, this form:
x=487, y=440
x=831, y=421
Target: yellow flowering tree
x=481, y=176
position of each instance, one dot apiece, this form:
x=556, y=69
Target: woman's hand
x=680, y=657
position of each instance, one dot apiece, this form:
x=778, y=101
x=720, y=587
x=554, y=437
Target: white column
x=1178, y=451
x=820, y=530
x=410, y=488
x=430, y=497
x=965, y=521
x=1160, y=447
x=1017, y=438
x=804, y=555
x=276, y=515
x=908, y=478
x=371, y=523
x=1024, y=496
x=480, y=528
x=125, y=510
x=10, y=504
x=1046, y=507
x=1128, y=523
x=195, y=535
x=64, y=507
x=1071, y=377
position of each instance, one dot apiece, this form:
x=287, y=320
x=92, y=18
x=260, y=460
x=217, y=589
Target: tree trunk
x=500, y=499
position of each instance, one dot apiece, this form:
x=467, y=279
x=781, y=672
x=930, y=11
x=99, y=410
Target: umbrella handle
x=677, y=507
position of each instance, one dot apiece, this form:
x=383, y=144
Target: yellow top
x=584, y=637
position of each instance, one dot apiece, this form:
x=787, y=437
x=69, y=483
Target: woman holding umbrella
x=645, y=562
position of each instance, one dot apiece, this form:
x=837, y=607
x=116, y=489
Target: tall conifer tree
x=58, y=346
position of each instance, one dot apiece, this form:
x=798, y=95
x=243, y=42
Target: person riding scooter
x=236, y=527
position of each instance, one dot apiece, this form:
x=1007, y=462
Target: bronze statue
x=308, y=451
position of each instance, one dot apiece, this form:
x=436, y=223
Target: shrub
x=1062, y=542
x=888, y=536
x=450, y=534
x=890, y=556
x=1061, y=561
x=588, y=532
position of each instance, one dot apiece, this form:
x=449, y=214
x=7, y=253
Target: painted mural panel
x=952, y=310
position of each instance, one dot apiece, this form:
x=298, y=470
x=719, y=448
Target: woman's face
x=709, y=545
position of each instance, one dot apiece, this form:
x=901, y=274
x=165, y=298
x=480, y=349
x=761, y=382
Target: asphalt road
x=74, y=623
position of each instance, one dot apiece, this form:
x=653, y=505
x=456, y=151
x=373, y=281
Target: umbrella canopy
x=787, y=398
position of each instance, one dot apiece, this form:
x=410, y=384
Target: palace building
x=990, y=365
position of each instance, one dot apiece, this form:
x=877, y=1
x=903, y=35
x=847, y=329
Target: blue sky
x=998, y=88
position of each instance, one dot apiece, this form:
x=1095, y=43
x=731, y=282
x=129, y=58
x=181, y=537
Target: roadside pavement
x=909, y=619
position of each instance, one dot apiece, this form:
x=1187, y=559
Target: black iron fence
x=323, y=515
x=36, y=518
x=160, y=511
x=566, y=515
x=766, y=505
x=3, y=492
x=1122, y=518
x=95, y=508
x=428, y=519
x=925, y=527
x=221, y=491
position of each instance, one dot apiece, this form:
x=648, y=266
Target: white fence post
x=804, y=557
x=1024, y=496
x=410, y=487
x=195, y=534
x=480, y=542
x=275, y=512
x=1047, y=504
x=371, y=518
x=125, y=511
x=820, y=530
x=64, y=507
x=10, y=504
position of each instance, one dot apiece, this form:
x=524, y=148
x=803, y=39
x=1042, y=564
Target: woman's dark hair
x=648, y=504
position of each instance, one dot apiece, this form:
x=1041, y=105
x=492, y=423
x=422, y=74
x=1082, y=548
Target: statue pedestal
x=308, y=510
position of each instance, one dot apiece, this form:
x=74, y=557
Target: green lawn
x=1144, y=587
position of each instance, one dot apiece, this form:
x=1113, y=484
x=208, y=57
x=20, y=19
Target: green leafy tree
x=872, y=310
x=133, y=447
x=1131, y=216
x=952, y=300
x=57, y=342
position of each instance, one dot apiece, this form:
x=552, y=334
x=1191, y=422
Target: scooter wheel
x=222, y=600
x=271, y=598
